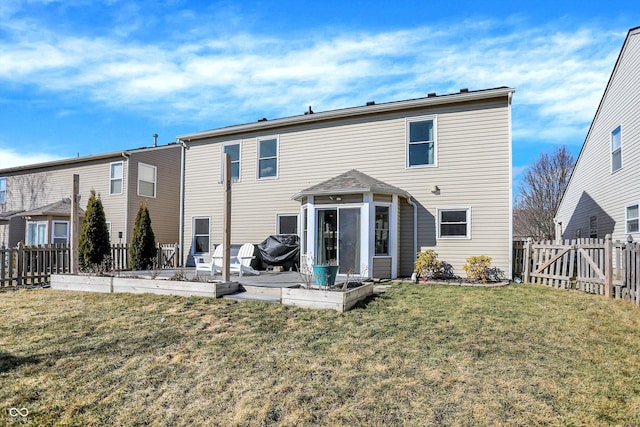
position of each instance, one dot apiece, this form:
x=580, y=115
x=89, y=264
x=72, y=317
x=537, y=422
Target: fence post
x=608, y=266
x=176, y=255
x=20, y=265
x=527, y=261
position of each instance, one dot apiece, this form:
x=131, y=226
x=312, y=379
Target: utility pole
x=74, y=233
x=226, y=235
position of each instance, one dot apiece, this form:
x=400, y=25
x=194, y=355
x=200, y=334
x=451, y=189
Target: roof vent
x=431, y=95
x=464, y=90
x=155, y=139
x=264, y=119
x=308, y=112
x=371, y=103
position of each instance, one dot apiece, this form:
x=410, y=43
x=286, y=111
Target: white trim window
x=3, y=191
x=268, y=157
x=381, y=231
x=201, y=235
x=146, y=180
x=115, y=177
x=233, y=150
x=616, y=149
x=632, y=218
x=60, y=232
x=454, y=223
x=109, y=229
x=36, y=233
x=287, y=223
x=421, y=141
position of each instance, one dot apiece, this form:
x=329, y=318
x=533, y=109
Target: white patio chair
x=243, y=262
x=215, y=264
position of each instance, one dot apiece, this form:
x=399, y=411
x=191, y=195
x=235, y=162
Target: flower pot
x=325, y=275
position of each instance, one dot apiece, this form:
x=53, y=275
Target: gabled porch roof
x=59, y=208
x=350, y=182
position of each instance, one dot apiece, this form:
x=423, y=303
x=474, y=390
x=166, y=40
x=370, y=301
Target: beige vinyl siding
x=43, y=186
x=593, y=190
x=164, y=209
x=473, y=170
x=381, y=267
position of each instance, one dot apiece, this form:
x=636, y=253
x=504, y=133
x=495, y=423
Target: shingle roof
x=59, y=208
x=350, y=182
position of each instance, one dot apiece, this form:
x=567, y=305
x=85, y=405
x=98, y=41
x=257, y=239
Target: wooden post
x=226, y=240
x=176, y=255
x=608, y=266
x=527, y=261
x=74, y=232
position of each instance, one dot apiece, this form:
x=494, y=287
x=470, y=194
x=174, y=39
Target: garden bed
x=335, y=299
x=106, y=284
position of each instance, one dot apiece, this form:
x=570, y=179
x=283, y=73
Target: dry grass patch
x=418, y=355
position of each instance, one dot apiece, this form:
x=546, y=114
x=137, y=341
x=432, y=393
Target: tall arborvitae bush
x=142, y=255
x=94, y=247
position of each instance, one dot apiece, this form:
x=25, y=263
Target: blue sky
x=86, y=77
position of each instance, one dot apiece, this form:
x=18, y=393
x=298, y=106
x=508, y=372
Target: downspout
x=181, y=228
x=415, y=228
x=127, y=157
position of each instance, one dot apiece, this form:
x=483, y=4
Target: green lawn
x=418, y=355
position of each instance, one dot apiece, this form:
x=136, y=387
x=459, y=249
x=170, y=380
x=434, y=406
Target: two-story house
x=603, y=193
x=35, y=200
x=366, y=187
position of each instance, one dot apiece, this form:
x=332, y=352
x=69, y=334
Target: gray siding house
x=603, y=194
x=366, y=187
x=35, y=203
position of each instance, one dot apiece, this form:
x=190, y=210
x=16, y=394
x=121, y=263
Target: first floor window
x=454, y=223
x=287, y=224
x=146, y=180
x=3, y=190
x=382, y=230
x=268, y=158
x=60, y=232
x=632, y=218
x=201, y=235
x=593, y=227
x=37, y=233
x=115, y=178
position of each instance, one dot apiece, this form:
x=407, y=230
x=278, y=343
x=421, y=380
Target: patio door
x=338, y=238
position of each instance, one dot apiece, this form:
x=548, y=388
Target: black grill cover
x=280, y=249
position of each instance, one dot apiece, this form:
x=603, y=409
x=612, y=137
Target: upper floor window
x=454, y=223
x=115, y=177
x=421, y=141
x=3, y=190
x=616, y=149
x=268, y=158
x=146, y=180
x=382, y=230
x=632, y=218
x=233, y=150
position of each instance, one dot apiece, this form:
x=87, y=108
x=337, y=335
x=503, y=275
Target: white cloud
x=559, y=73
x=11, y=158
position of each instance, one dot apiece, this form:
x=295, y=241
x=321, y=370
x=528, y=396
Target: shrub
x=94, y=248
x=143, y=246
x=478, y=268
x=427, y=264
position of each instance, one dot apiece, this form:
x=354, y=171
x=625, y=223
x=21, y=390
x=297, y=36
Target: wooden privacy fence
x=33, y=265
x=598, y=266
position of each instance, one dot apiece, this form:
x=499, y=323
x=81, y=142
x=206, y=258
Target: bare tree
x=29, y=191
x=540, y=193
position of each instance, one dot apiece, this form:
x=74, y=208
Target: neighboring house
x=366, y=187
x=35, y=205
x=603, y=193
